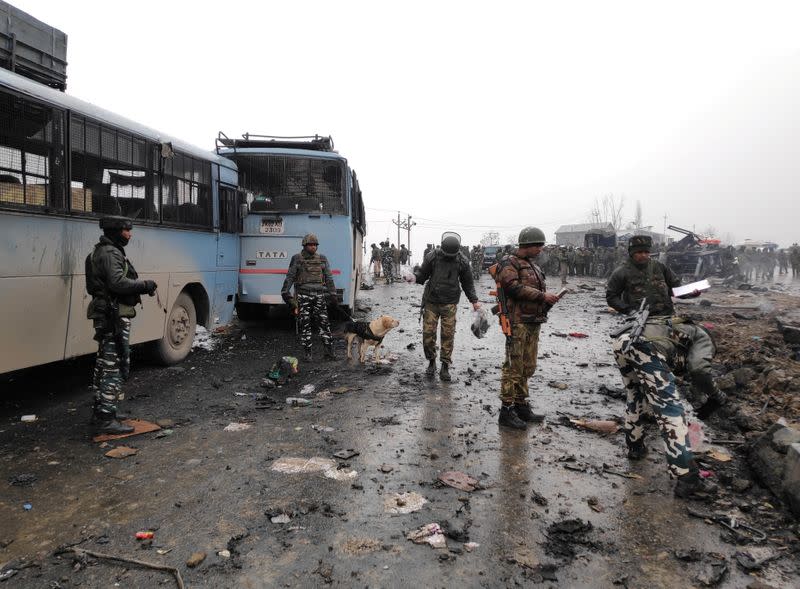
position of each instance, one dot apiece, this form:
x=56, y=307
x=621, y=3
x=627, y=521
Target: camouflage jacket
x=629, y=284
x=109, y=274
x=308, y=274
x=523, y=283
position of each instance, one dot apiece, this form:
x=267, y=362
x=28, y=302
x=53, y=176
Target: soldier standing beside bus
x=310, y=275
x=115, y=287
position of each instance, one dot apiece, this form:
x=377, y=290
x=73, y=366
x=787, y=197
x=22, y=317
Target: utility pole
x=665, y=229
x=406, y=224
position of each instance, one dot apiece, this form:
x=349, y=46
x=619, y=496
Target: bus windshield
x=284, y=183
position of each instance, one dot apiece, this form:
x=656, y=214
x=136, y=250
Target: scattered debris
x=386, y=468
x=564, y=535
x=283, y=370
x=326, y=466
x=139, y=427
x=346, y=454
x=297, y=402
x=458, y=480
x=121, y=452
x=402, y=503
x=195, y=559
x=28, y=418
x=428, y=534
x=283, y=518
x=224, y=553
x=740, y=529
x=558, y=385
x=601, y=426
x=470, y=546
x=306, y=390
x=22, y=480
x=236, y=427
x=578, y=334
x=81, y=554
x=713, y=572
x=719, y=455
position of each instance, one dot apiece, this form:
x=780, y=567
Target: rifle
x=635, y=322
x=501, y=308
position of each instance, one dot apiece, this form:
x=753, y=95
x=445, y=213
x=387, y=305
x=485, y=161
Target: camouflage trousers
x=649, y=381
x=520, y=362
x=111, y=368
x=388, y=271
x=431, y=315
x=313, y=309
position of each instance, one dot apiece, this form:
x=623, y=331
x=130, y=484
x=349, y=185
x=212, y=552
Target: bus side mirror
x=244, y=210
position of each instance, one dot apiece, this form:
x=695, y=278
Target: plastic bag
x=480, y=323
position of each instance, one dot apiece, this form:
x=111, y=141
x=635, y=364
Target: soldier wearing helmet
x=446, y=271
x=310, y=275
x=667, y=344
x=115, y=288
x=523, y=284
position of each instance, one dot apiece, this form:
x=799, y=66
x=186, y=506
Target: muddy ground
x=557, y=505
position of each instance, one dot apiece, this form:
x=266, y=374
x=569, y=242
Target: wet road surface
x=203, y=489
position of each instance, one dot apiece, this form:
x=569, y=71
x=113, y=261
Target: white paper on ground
x=679, y=291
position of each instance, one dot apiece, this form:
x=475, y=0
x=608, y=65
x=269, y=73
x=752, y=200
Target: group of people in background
x=387, y=260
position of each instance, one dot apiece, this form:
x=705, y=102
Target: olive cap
x=640, y=243
x=531, y=236
x=310, y=238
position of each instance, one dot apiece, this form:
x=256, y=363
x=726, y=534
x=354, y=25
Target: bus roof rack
x=312, y=142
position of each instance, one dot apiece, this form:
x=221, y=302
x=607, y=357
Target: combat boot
x=693, y=486
x=637, y=450
x=444, y=373
x=112, y=426
x=307, y=355
x=329, y=353
x=523, y=411
x=509, y=418
x=431, y=369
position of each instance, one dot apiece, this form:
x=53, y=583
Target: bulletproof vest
x=648, y=282
x=310, y=270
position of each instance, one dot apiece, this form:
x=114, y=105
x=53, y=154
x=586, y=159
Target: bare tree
x=608, y=209
x=637, y=220
x=710, y=231
x=511, y=238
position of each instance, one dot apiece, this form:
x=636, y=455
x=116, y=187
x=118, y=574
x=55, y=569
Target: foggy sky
x=472, y=116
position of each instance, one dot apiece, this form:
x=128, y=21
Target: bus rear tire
x=179, y=332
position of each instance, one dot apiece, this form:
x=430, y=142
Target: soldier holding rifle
x=649, y=349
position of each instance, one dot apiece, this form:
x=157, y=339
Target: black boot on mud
x=444, y=373
x=523, y=411
x=509, y=418
x=308, y=356
x=637, y=451
x=430, y=371
x=693, y=486
x=329, y=353
x=111, y=426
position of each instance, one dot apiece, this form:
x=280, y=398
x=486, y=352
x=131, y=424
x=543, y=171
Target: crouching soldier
x=649, y=354
x=115, y=287
x=310, y=275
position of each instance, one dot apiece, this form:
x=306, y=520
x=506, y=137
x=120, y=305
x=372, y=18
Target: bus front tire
x=179, y=331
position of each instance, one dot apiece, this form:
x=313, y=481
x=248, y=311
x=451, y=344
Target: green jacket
x=109, y=274
x=629, y=284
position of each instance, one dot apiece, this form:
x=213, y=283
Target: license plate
x=272, y=226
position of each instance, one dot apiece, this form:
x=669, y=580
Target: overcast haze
x=474, y=116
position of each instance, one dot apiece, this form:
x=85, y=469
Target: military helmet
x=310, y=238
x=115, y=222
x=640, y=243
x=451, y=243
x=531, y=236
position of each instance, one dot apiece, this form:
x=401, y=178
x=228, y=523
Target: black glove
x=150, y=287
x=333, y=300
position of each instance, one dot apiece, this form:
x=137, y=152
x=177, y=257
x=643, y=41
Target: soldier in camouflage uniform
x=667, y=345
x=446, y=271
x=310, y=275
x=387, y=262
x=115, y=287
x=476, y=261
x=523, y=284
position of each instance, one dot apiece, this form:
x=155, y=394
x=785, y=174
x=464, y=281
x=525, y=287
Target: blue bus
x=64, y=163
x=294, y=186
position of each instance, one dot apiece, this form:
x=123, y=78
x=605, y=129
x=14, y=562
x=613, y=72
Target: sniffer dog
x=368, y=333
